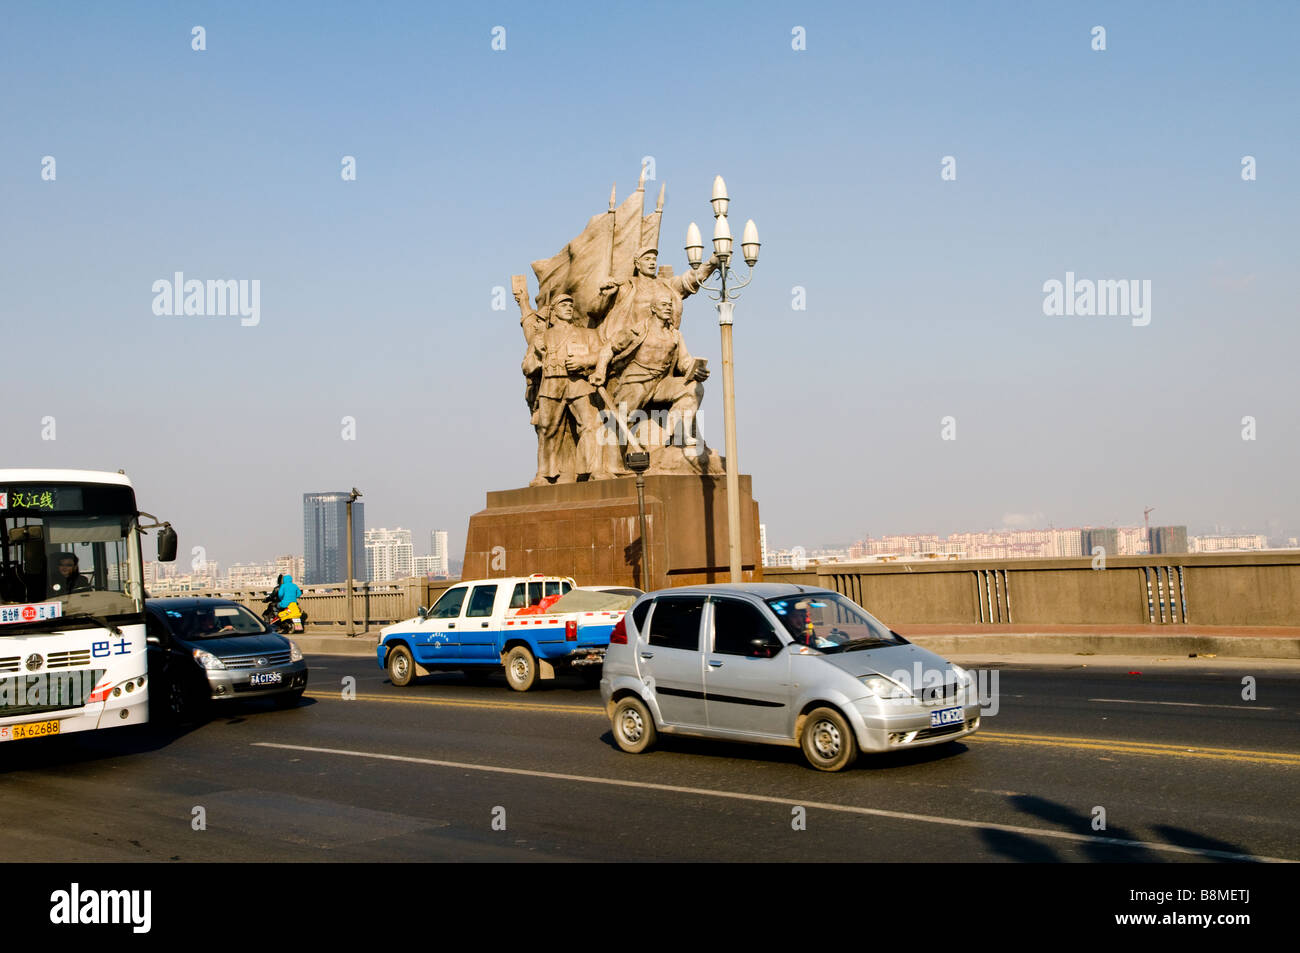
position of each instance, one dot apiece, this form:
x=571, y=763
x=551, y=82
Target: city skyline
x=914, y=298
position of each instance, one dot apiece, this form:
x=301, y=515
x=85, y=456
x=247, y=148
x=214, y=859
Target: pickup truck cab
x=475, y=627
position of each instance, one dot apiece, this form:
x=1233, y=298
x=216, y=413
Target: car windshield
x=212, y=622
x=830, y=623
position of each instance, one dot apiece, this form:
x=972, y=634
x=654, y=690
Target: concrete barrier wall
x=1237, y=589
x=1230, y=589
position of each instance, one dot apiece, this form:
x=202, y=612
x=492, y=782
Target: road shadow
x=1181, y=837
x=785, y=754
x=1025, y=848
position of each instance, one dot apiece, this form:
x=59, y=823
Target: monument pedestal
x=591, y=531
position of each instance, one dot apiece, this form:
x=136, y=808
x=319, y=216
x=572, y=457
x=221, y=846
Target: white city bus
x=72, y=629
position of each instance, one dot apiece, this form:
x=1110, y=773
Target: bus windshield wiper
x=59, y=621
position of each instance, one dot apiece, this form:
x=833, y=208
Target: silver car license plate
x=272, y=678
x=945, y=716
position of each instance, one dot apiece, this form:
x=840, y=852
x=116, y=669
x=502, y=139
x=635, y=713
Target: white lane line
x=1139, y=701
x=768, y=799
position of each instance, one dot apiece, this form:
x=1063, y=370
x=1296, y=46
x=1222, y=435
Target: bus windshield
x=76, y=546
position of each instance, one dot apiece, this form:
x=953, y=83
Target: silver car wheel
x=826, y=738
x=400, y=667
x=631, y=726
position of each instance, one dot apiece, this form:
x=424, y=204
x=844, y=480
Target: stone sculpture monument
x=607, y=372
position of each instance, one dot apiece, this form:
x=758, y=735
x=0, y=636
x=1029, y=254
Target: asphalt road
x=1185, y=769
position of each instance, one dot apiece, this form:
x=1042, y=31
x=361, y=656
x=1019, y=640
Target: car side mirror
x=166, y=544
x=152, y=640
x=765, y=646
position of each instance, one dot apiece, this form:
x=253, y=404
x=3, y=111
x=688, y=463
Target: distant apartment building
x=1105, y=538
x=438, y=550
x=1168, y=539
x=324, y=520
x=1221, y=544
x=389, y=554
x=762, y=542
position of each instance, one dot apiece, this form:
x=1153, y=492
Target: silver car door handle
x=714, y=663
x=647, y=655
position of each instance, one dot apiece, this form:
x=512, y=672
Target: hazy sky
x=924, y=296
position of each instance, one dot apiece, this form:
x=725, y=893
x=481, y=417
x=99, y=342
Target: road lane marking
x=461, y=703
x=785, y=801
x=1143, y=748
x=1151, y=749
x=1138, y=701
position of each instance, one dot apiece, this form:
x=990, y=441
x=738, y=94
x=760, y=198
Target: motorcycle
x=286, y=621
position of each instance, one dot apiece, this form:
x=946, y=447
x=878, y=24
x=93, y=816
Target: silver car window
x=676, y=622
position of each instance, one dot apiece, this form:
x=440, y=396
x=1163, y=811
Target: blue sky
x=924, y=296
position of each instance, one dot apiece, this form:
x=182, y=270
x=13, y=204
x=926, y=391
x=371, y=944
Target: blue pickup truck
x=483, y=625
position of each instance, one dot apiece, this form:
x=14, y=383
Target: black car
x=208, y=651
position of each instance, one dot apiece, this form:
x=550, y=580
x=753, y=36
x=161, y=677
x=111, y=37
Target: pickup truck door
x=480, y=625
x=439, y=636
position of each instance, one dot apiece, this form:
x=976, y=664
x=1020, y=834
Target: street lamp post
x=352, y=624
x=726, y=296
x=638, y=462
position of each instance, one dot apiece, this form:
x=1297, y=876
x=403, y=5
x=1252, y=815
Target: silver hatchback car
x=778, y=664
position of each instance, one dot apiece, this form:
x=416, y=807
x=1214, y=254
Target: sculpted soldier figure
x=572, y=366
x=655, y=370
x=627, y=303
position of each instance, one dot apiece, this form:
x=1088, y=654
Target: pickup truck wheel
x=634, y=726
x=401, y=667
x=521, y=669
x=827, y=740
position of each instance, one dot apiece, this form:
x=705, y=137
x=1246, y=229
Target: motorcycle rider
x=286, y=601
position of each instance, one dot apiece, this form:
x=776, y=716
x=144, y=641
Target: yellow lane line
x=1142, y=748
x=1152, y=749
x=460, y=703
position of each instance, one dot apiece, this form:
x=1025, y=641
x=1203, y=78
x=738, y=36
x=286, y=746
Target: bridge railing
x=373, y=603
x=1236, y=589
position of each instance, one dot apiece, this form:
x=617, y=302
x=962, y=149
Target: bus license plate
x=37, y=729
x=944, y=717
x=265, y=678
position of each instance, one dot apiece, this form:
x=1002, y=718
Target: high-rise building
x=762, y=542
x=325, y=538
x=388, y=554
x=1168, y=539
x=1106, y=538
x=438, y=550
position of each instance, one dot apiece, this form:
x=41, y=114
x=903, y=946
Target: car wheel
x=289, y=699
x=634, y=726
x=185, y=701
x=828, y=741
x=401, y=667
x=521, y=669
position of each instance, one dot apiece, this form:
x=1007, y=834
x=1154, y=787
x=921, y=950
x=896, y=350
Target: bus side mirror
x=166, y=544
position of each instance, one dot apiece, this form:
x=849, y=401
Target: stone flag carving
x=606, y=368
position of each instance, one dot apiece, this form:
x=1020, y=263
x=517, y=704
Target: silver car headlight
x=963, y=677
x=295, y=653
x=208, y=660
x=883, y=687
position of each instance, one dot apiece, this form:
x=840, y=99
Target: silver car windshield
x=830, y=622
